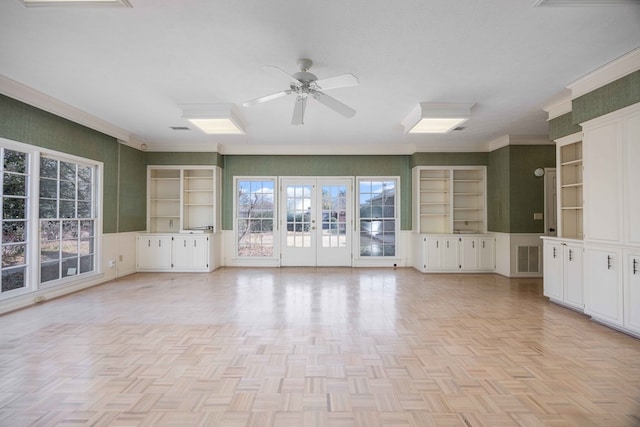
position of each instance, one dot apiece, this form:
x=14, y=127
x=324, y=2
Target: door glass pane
x=299, y=216
x=334, y=216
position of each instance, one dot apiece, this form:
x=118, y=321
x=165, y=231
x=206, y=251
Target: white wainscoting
x=117, y=247
x=507, y=253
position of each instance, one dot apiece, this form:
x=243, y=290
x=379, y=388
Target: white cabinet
x=572, y=275
x=191, y=252
x=174, y=252
x=603, y=280
x=553, y=271
x=469, y=253
x=487, y=253
x=154, y=252
x=563, y=265
x=603, y=182
x=438, y=253
x=449, y=199
x=632, y=290
x=454, y=253
x=631, y=154
x=182, y=198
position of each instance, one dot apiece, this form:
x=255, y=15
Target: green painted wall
x=562, y=126
x=349, y=166
x=514, y=193
x=498, y=195
x=24, y=123
x=611, y=97
x=527, y=190
x=180, y=158
x=132, y=182
x=449, y=159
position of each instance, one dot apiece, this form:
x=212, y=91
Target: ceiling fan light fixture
x=214, y=119
x=75, y=3
x=430, y=117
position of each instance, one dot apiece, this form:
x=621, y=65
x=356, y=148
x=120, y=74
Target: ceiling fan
x=304, y=85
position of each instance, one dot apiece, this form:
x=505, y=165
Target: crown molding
x=17, y=90
x=606, y=74
x=505, y=140
x=558, y=109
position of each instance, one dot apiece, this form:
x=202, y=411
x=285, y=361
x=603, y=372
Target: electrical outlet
x=112, y=263
x=40, y=298
x=537, y=216
x=120, y=258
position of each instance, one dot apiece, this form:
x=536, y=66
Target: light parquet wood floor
x=314, y=347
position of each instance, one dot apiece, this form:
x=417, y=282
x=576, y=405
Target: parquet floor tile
x=314, y=347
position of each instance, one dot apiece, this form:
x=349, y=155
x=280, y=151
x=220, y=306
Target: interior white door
x=316, y=221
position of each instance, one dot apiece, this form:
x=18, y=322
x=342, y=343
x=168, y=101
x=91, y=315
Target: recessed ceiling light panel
x=214, y=118
x=77, y=3
x=429, y=117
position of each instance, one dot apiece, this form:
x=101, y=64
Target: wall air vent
x=528, y=259
x=179, y=128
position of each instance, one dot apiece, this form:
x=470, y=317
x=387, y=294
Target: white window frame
x=357, y=247
x=33, y=218
x=276, y=237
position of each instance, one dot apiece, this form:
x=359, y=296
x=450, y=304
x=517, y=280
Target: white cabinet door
x=553, y=276
x=469, y=253
x=182, y=252
x=632, y=291
x=200, y=252
x=487, y=253
x=572, y=277
x=602, y=182
x=154, y=252
x=190, y=252
x=631, y=136
x=603, y=282
x=434, y=252
x=450, y=253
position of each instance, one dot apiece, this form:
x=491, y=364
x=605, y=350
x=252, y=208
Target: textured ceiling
x=134, y=67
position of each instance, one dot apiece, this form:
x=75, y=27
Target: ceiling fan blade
x=280, y=72
x=334, y=104
x=267, y=98
x=298, y=111
x=344, y=80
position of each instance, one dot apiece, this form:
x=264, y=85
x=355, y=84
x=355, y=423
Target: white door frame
x=317, y=234
x=550, y=202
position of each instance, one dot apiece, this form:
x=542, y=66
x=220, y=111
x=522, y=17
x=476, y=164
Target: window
x=378, y=216
x=15, y=225
x=67, y=218
x=255, y=215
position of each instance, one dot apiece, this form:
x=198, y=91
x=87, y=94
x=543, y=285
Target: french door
x=316, y=221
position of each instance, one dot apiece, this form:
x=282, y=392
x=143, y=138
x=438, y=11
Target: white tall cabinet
x=182, y=215
x=611, y=147
x=450, y=219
